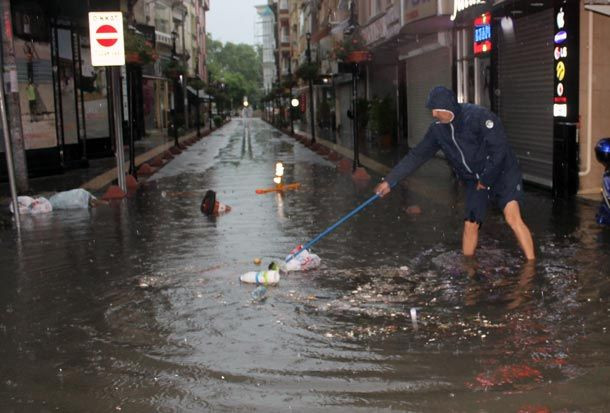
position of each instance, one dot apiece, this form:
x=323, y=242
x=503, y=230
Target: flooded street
x=137, y=306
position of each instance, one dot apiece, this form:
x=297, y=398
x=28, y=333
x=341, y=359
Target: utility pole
x=15, y=131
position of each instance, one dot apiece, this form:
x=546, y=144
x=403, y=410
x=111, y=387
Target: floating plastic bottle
x=268, y=277
x=259, y=294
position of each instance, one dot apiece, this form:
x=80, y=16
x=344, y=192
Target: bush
x=218, y=121
x=383, y=116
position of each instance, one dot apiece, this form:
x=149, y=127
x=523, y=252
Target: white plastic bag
x=32, y=206
x=302, y=262
x=74, y=199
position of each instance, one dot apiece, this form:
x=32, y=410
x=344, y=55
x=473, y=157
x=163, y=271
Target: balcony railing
x=163, y=38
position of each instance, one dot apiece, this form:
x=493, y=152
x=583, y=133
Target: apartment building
x=510, y=56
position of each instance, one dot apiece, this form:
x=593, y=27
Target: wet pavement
x=137, y=306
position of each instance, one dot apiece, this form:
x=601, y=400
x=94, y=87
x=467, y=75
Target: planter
x=133, y=57
x=358, y=56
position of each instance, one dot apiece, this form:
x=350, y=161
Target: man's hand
x=383, y=189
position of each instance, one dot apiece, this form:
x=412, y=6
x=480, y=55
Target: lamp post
x=294, y=103
x=311, y=115
x=198, y=108
x=173, y=106
x=184, y=91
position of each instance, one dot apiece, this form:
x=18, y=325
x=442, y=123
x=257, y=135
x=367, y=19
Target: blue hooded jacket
x=474, y=143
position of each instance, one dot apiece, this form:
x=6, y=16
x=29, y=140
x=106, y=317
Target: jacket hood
x=442, y=98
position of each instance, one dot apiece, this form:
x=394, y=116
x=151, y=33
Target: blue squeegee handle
x=336, y=224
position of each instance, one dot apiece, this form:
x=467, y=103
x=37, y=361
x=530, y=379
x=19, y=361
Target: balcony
x=283, y=6
x=163, y=38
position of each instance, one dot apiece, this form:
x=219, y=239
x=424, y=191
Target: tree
x=239, y=67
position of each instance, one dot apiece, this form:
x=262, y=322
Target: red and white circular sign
x=106, y=35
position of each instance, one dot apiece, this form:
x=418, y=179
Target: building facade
x=64, y=99
x=530, y=62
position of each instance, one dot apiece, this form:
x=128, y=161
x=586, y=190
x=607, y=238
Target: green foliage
x=196, y=83
x=174, y=69
x=239, y=67
x=217, y=121
x=349, y=44
x=138, y=50
x=308, y=71
x=383, y=116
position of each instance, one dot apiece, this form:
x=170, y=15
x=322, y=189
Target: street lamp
x=311, y=115
x=294, y=103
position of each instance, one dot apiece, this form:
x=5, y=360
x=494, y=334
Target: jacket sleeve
x=415, y=158
x=496, y=148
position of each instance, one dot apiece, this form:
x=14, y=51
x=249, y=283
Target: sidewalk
x=101, y=172
x=381, y=161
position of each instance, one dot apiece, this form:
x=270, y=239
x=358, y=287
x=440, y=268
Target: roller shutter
x=525, y=86
x=423, y=73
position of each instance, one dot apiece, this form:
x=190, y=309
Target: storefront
x=427, y=60
x=507, y=58
x=63, y=98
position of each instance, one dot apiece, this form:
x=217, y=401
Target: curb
x=365, y=161
x=101, y=181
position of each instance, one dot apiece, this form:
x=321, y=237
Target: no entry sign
x=106, y=38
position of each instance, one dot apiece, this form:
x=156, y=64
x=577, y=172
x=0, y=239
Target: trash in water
x=413, y=313
x=259, y=294
x=32, y=206
x=302, y=262
x=73, y=199
x=257, y=261
x=211, y=206
x=269, y=277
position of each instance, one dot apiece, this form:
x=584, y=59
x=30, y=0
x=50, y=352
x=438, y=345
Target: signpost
x=108, y=49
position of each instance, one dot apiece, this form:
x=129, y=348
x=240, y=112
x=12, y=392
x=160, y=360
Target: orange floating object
x=279, y=188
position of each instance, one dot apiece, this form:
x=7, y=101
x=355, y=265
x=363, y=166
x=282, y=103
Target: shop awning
x=199, y=93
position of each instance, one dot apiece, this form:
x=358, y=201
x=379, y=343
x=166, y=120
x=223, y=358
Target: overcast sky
x=232, y=20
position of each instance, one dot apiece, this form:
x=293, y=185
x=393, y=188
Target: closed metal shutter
x=423, y=73
x=525, y=101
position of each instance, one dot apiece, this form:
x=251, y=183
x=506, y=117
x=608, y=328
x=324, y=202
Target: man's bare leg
x=512, y=214
x=470, y=238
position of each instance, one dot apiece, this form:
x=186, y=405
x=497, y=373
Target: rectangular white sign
x=106, y=38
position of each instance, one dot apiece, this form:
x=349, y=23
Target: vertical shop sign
x=482, y=34
x=565, y=47
x=565, y=62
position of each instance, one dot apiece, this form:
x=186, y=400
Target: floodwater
x=137, y=306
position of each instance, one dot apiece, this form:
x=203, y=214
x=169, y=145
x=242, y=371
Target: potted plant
x=383, y=120
x=174, y=69
x=308, y=71
x=138, y=50
x=352, y=49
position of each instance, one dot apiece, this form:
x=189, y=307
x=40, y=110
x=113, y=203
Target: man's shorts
x=500, y=194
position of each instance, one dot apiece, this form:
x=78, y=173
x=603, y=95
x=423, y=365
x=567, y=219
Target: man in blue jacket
x=474, y=143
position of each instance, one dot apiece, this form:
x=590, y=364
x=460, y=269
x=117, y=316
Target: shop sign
x=461, y=5
x=565, y=81
x=482, y=34
x=106, y=39
x=419, y=9
x=392, y=21
x=383, y=28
